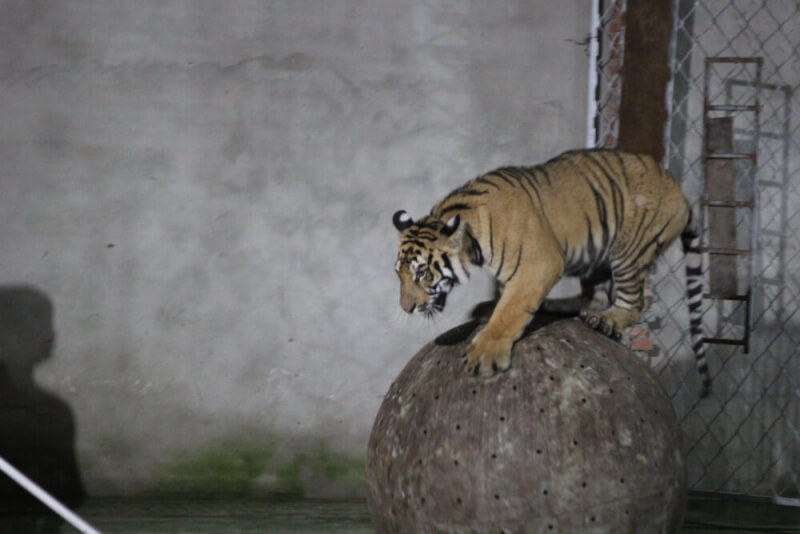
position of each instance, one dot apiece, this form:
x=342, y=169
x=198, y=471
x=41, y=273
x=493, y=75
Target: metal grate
x=745, y=438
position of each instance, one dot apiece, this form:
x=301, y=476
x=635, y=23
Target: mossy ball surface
x=577, y=436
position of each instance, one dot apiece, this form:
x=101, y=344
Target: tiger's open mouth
x=436, y=306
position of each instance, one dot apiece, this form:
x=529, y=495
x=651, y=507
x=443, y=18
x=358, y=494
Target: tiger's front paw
x=486, y=356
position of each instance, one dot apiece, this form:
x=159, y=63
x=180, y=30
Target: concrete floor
x=131, y=515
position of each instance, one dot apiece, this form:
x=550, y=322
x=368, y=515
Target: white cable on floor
x=46, y=498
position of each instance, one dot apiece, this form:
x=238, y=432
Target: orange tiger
x=594, y=214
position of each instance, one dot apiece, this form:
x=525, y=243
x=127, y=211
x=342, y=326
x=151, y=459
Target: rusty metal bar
x=726, y=296
x=731, y=155
x=727, y=203
x=730, y=107
x=727, y=251
x=733, y=59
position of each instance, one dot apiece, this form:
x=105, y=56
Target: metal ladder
x=719, y=205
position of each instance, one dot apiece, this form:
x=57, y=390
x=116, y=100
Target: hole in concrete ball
x=538, y=451
x=502, y=417
x=455, y=462
x=514, y=388
x=583, y=485
x=545, y=492
x=496, y=497
x=458, y=500
x=494, y=456
x=458, y=427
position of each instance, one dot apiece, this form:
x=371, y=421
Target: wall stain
x=238, y=466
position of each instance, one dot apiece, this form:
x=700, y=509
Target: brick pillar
x=645, y=73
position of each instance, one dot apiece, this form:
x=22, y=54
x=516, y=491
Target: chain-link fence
x=745, y=438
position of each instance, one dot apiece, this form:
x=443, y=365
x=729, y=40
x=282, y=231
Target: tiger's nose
x=409, y=309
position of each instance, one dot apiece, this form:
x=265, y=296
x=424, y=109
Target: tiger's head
x=429, y=261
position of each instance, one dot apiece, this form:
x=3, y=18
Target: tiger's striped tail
x=690, y=239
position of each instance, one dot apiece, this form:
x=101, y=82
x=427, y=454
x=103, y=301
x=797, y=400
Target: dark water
x=225, y=516
x=705, y=515
x=709, y=515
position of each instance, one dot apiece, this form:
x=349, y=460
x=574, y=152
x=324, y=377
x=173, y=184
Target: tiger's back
x=592, y=201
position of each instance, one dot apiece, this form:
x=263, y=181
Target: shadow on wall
x=37, y=429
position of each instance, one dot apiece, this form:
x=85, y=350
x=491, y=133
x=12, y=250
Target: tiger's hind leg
x=627, y=297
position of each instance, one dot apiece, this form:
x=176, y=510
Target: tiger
x=601, y=215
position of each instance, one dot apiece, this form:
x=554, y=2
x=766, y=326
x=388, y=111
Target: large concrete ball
x=577, y=436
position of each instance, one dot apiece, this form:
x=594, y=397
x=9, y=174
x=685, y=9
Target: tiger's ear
x=451, y=225
x=454, y=231
x=402, y=220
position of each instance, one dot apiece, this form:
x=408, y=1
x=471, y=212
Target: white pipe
x=668, y=102
x=46, y=498
x=594, y=50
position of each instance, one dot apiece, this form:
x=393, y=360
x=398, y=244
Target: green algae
x=242, y=467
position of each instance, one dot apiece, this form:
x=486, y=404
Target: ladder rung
x=727, y=251
x=727, y=203
x=731, y=155
x=770, y=183
x=733, y=59
x=770, y=282
x=732, y=107
x=768, y=135
x=724, y=341
x=771, y=233
x=725, y=296
x=746, y=132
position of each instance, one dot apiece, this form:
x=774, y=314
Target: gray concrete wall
x=203, y=190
